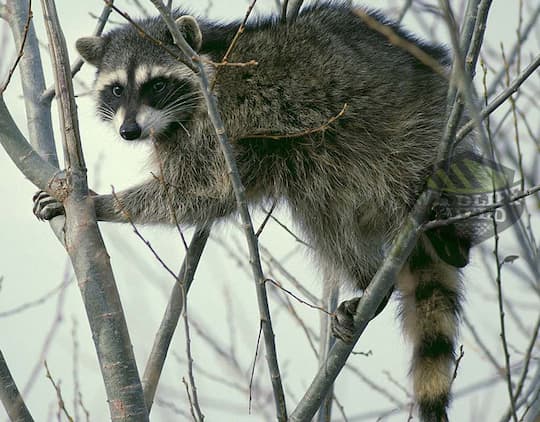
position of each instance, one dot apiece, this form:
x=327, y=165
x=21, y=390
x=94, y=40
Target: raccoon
x=334, y=121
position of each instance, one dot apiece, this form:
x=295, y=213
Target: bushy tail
x=431, y=295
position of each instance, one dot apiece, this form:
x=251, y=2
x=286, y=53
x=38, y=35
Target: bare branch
x=385, y=277
x=501, y=98
x=194, y=394
x=38, y=114
x=470, y=214
x=56, y=386
x=40, y=172
x=213, y=113
x=21, y=48
x=49, y=93
x=87, y=251
x=10, y=396
x=172, y=314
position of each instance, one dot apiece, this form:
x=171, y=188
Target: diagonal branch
x=401, y=247
x=156, y=360
x=10, y=396
x=21, y=48
x=40, y=172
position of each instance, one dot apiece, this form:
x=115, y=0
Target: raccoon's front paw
x=343, y=320
x=46, y=207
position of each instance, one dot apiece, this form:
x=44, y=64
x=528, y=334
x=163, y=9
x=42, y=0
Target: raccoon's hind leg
x=431, y=295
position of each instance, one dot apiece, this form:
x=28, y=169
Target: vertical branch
x=38, y=114
x=255, y=261
x=10, y=396
x=498, y=266
x=87, y=251
x=191, y=383
x=49, y=93
x=327, y=340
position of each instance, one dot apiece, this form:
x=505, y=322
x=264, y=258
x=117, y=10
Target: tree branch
x=156, y=360
x=21, y=48
x=40, y=172
x=49, y=93
x=88, y=254
x=10, y=396
x=401, y=248
x=374, y=294
x=213, y=113
x=470, y=214
x=38, y=114
x=500, y=99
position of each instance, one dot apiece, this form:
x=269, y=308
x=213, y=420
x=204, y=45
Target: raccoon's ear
x=91, y=49
x=189, y=28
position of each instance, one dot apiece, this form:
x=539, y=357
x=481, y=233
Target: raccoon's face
x=146, y=100
x=142, y=90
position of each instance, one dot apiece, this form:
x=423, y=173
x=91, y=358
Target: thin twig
x=501, y=98
x=160, y=348
x=21, y=48
x=191, y=408
x=526, y=361
x=470, y=214
x=232, y=45
x=279, y=286
x=252, y=375
x=139, y=235
x=266, y=219
x=498, y=279
x=61, y=403
x=522, y=37
x=458, y=361
x=302, y=133
x=402, y=43
x=191, y=376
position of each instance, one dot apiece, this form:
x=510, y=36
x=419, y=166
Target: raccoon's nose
x=130, y=131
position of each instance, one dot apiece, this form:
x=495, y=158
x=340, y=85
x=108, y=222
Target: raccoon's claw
x=342, y=320
x=46, y=207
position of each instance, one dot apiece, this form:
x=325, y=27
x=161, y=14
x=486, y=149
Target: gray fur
x=349, y=187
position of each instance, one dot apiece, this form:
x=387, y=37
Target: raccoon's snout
x=130, y=130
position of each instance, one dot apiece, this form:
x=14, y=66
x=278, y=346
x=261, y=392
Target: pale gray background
x=32, y=263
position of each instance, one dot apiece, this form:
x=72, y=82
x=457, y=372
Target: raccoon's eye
x=117, y=90
x=158, y=86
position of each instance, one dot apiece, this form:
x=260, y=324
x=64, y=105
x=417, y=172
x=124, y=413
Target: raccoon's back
x=378, y=151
